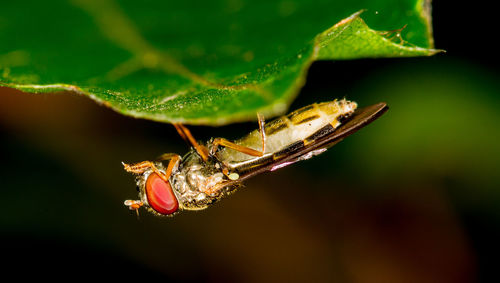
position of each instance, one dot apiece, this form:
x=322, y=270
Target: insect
x=212, y=170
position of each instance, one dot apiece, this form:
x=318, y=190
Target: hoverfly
x=217, y=168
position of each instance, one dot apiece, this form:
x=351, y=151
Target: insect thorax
x=195, y=176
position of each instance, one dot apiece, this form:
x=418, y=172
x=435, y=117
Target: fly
x=217, y=168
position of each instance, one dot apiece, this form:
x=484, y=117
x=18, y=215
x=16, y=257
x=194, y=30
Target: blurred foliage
x=446, y=126
x=197, y=62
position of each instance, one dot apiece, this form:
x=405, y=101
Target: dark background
x=414, y=197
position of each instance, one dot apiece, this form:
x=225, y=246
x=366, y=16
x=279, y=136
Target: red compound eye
x=160, y=195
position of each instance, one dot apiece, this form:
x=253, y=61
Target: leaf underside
x=201, y=62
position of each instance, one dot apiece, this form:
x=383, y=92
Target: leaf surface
x=197, y=62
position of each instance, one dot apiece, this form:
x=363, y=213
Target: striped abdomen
x=289, y=129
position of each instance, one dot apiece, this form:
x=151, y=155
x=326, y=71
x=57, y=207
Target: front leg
x=141, y=167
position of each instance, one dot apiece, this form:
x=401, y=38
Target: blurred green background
x=414, y=197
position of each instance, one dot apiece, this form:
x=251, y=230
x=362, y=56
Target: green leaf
x=199, y=62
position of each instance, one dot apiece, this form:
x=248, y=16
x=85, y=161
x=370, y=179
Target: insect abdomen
x=296, y=126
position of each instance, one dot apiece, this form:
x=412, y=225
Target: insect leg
x=133, y=205
x=188, y=137
x=250, y=151
x=174, y=158
x=141, y=167
x=262, y=131
x=223, y=142
x=215, y=189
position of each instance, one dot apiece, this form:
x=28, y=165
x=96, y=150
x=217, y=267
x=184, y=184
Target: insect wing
x=320, y=141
